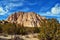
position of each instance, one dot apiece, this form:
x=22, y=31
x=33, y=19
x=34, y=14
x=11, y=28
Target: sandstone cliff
x=27, y=19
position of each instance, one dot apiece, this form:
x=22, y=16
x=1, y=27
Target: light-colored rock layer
x=27, y=19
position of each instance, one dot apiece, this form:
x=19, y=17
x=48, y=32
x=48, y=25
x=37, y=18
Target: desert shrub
x=50, y=30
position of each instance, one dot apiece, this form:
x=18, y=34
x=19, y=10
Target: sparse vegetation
x=50, y=29
x=12, y=28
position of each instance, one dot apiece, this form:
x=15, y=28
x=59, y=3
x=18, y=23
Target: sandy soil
x=25, y=37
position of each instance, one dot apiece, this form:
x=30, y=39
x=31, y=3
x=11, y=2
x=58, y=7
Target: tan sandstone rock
x=27, y=19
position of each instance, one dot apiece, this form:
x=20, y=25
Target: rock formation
x=27, y=19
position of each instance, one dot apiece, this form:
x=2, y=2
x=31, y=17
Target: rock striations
x=27, y=19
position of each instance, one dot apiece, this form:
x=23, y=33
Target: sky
x=47, y=8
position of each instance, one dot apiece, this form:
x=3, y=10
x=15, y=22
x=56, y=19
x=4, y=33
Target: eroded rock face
x=27, y=19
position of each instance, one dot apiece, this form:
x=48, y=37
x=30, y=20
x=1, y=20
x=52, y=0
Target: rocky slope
x=27, y=19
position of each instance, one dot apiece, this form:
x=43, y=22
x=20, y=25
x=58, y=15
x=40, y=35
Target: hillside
x=24, y=24
x=27, y=19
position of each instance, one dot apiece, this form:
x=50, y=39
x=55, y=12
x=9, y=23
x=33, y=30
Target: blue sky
x=47, y=8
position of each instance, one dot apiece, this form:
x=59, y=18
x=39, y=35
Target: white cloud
x=49, y=14
x=2, y=11
x=56, y=9
x=12, y=5
x=16, y=0
x=16, y=4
